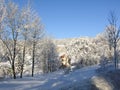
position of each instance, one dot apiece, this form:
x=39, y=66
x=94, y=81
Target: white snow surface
x=51, y=81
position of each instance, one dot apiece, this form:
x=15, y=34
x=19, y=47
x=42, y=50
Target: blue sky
x=74, y=18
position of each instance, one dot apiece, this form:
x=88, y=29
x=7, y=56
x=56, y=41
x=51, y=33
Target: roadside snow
x=51, y=81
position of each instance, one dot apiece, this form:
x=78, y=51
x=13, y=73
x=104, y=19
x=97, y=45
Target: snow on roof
x=62, y=53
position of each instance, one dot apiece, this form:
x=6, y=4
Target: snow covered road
x=51, y=81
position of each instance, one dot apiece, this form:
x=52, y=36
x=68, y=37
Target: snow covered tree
x=17, y=27
x=112, y=34
x=49, y=55
x=2, y=11
x=36, y=33
x=10, y=33
x=25, y=14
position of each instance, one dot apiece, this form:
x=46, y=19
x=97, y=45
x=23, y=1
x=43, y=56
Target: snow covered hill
x=52, y=81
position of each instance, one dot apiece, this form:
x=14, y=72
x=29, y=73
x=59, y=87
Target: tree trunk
x=110, y=53
x=22, y=66
x=33, y=58
x=115, y=57
x=13, y=69
x=13, y=60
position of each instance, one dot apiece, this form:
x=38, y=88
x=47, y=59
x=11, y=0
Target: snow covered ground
x=51, y=81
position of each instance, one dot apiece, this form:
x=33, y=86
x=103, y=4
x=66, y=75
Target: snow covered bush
x=86, y=51
x=2, y=75
x=48, y=55
x=5, y=69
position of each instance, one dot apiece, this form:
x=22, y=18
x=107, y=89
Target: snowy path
x=52, y=81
